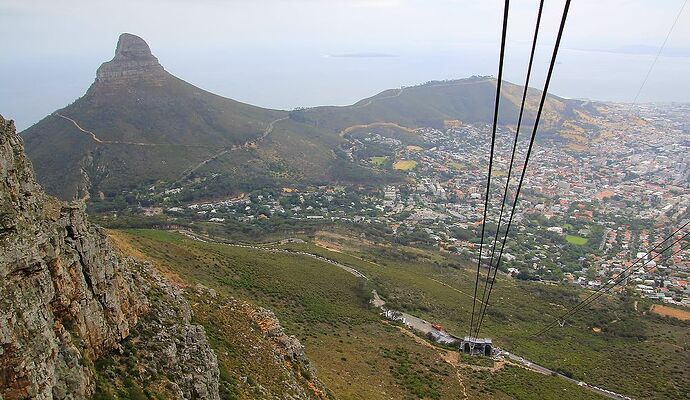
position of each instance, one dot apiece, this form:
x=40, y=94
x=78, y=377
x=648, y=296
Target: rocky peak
x=133, y=61
x=132, y=47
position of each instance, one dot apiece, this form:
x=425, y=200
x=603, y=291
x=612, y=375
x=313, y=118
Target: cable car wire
x=529, y=152
x=577, y=307
x=656, y=58
x=491, y=153
x=619, y=278
x=515, y=142
x=601, y=293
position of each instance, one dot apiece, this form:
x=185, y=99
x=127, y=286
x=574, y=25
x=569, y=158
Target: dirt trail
x=453, y=359
x=246, y=145
x=93, y=135
x=98, y=140
x=666, y=311
x=462, y=383
x=271, y=125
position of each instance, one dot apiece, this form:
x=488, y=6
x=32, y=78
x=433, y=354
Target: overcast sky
x=283, y=54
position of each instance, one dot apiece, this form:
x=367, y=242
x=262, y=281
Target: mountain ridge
x=139, y=126
x=158, y=124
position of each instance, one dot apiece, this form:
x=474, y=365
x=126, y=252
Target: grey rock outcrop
x=133, y=60
x=67, y=298
x=169, y=346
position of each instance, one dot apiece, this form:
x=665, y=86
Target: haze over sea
x=284, y=54
x=297, y=77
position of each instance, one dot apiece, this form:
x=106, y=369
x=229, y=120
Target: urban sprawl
x=592, y=202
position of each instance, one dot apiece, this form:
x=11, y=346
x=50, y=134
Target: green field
x=326, y=308
x=576, y=240
x=378, y=161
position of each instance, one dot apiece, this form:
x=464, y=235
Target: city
x=583, y=216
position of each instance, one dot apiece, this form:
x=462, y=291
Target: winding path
x=206, y=239
x=98, y=140
x=226, y=150
x=185, y=174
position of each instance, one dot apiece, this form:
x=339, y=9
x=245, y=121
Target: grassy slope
x=323, y=306
x=470, y=100
x=194, y=124
x=576, y=240
x=655, y=367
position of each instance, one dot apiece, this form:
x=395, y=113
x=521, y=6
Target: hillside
x=436, y=104
x=359, y=354
x=139, y=127
x=137, y=124
x=80, y=317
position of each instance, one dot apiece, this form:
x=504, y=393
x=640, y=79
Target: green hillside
x=348, y=342
x=141, y=125
x=435, y=104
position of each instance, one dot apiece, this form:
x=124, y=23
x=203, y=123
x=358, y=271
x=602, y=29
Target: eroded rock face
x=133, y=60
x=174, y=354
x=67, y=298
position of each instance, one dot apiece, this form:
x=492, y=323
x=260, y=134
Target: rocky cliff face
x=67, y=299
x=133, y=60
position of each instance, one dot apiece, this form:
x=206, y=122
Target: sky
x=294, y=53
